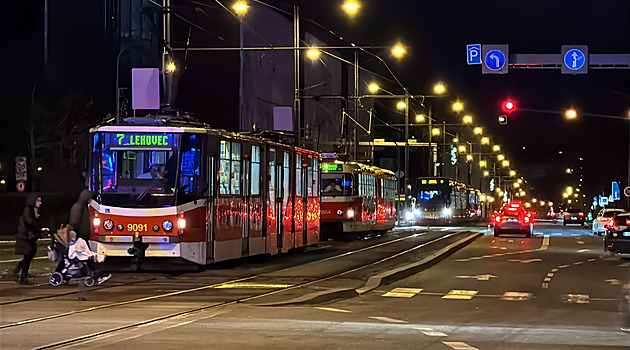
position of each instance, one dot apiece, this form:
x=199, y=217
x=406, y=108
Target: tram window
x=255, y=174
x=190, y=167
x=309, y=177
x=336, y=184
x=286, y=178
x=298, y=175
x=230, y=168
x=95, y=159
x=224, y=168
x=315, y=169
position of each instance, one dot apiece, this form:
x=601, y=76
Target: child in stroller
x=75, y=259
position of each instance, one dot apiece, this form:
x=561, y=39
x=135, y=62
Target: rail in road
x=158, y=305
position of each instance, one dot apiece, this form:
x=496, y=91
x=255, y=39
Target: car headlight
x=108, y=224
x=350, y=213
x=167, y=225
x=96, y=222
x=446, y=212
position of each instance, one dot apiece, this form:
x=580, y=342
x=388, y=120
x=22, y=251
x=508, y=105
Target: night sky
x=436, y=33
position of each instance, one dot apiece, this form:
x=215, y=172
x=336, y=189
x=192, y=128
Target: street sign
x=626, y=191
x=473, y=53
x=399, y=174
x=616, y=193
x=574, y=59
x=503, y=119
x=495, y=59
x=603, y=201
x=453, y=155
x=20, y=169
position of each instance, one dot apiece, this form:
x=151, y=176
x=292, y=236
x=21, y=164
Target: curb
x=375, y=281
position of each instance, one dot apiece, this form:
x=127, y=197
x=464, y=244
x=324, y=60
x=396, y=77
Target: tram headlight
x=181, y=223
x=350, y=213
x=409, y=216
x=108, y=224
x=96, y=222
x=167, y=225
x=446, y=212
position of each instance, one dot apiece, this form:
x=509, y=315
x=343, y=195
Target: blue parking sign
x=473, y=53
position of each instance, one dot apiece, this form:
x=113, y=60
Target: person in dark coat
x=80, y=215
x=29, y=231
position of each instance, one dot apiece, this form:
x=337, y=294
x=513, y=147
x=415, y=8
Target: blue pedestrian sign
x=473, y=53
x=574, y=59
x=616, y=193
x=495, y=60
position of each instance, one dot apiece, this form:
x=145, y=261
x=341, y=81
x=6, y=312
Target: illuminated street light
x=486, y=173
x=401, y=105
x=519, y=181
x=542, y=203
x=240, y=7
x=534, y=200
x=171, y=67
x=439, y=88
x=577, y=190
x=313, y=54
x=527, y=205
x=570, y=114
x=467, y=119
x=496, y=148
x=398, y=50
x=435, y=131
x=40, y=168
x=455, y=140
x=522, y=193
x=2, y=182
x=469, y=157
x=483, y=197
x=569, y=201
x=478, y=130
x=568, y=170
x=485, y=140
x=351, y=7
x=506, y=163
x=517, y=185
x=373, y=87
x=550, y=204
x=565, y=195
x=512, y=173
x=483, y=163
x=420, y=118
x=458, y=106
x=462, y=148
x=500, y=157
x=575, y=195
x=569, y=190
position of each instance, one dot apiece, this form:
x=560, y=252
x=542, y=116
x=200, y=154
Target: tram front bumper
x=168, y=250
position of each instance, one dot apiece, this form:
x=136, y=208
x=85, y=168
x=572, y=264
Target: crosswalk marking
x=458, y=345
x=387, y=319
x=434, y=334
x=516, y=296
x=333, y=309
x=403, y=292
x=460, y=294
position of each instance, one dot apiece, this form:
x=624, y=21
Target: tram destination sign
x=139, y=140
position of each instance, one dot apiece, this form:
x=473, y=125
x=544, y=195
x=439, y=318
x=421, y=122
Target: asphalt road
x=554, y=291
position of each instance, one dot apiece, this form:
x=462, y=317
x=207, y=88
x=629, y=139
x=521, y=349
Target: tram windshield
x=145, y=170
x=336, y=184
x=430, y=196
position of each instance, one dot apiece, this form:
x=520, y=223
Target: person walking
x=80, y=215
x=29, y=231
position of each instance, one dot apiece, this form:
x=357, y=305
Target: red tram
x=357, y=198
x=169, y=187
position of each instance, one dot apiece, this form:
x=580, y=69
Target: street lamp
x=398, y=51
x=485, y=140
x=486, y=173
x=462, y=148
x=439, y=88
x=351, y=7
x=469, y=157
x=240, y=7
x=512, y=173
x=373, y=87
x=496, y=148
x=467, y=119
x=435, y=131
x=478, y=130
x=506, y=163
x=455, y=140
x=420, y=118
x=500, y=157
x=458, y=106
x=483, y=163
x=313, y=54
x=570, y=114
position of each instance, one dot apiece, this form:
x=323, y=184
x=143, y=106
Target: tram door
x=285, y=235
x=272, y=221
x=246, y=206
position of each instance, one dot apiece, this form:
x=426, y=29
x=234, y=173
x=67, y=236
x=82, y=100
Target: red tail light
x=610, y=224
x=497, y=219
x=526, y=219
x=581, y=214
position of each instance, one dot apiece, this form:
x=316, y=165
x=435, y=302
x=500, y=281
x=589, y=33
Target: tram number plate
x=136, y=227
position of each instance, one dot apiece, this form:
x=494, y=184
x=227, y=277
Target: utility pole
x=407, y=182
x=356, y=104
x=296, y=74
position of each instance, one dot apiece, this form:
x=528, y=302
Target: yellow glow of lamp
x=351, y=7
x=455, y=140
x=482, y=163
x=519, y=181
x=462, y=148
x=469, y=157
x=534, y=200
x=506, y=163
x=485, y=140
x=478, y=130
x=398, y=50
x=468, y=119
x=517, y=185
x=542, y=203
x=458, y=106
x=171, y=67
x=570, y=114
x=569, y=201
x=500, y=157
x=496, y=148
x=483, y=198
x=550, y=204
x=486, y=173
x=565, y=195
x=435, y=131
x=401, y=105
x=313, y=54
x=512, y=173
x=240, y=7
x=569, y=190
x=439, y=88
x=420, y=118
x=527, y=205
x=373, y=87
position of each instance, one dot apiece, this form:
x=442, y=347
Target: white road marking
x=403, y=292
x=554, y=270
x=18, y=260
x=613, y=282
x=332, y=309
x=563, y=266
x=591, y=259
x=550, y=274
x=485, y=277
x=547, y=279
x=545, y=285
x=516, y=296
x=457, y=345
x=435, y=334
x=575, y=298
x=387, y=319
x=580, y=242
x=578, y=263
x=460, y=294
x=526, y=261
x=625, y=264
x=544, y=246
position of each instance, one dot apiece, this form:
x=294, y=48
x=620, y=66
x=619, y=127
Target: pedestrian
x=80, y=215
x=29, y=231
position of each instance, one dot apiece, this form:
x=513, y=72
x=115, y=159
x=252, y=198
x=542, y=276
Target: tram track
x=194, y=311
x=189, y=290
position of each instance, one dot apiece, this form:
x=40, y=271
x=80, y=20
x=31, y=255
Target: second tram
x=357, y=198
x=438, y=200
x=169, y=187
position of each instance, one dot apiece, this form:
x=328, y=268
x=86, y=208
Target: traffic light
x=503, y=119
x=509, y=106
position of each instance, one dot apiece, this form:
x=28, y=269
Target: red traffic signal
x=509, y=106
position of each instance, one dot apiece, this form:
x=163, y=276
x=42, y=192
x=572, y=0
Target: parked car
x=573, y=216
x=617, y=238
x=603, y=218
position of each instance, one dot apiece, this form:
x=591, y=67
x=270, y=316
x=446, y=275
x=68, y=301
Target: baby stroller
x=69, y=268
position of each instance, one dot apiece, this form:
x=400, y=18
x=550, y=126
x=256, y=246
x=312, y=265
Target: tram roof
x=364, y=168
x=443, y=180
